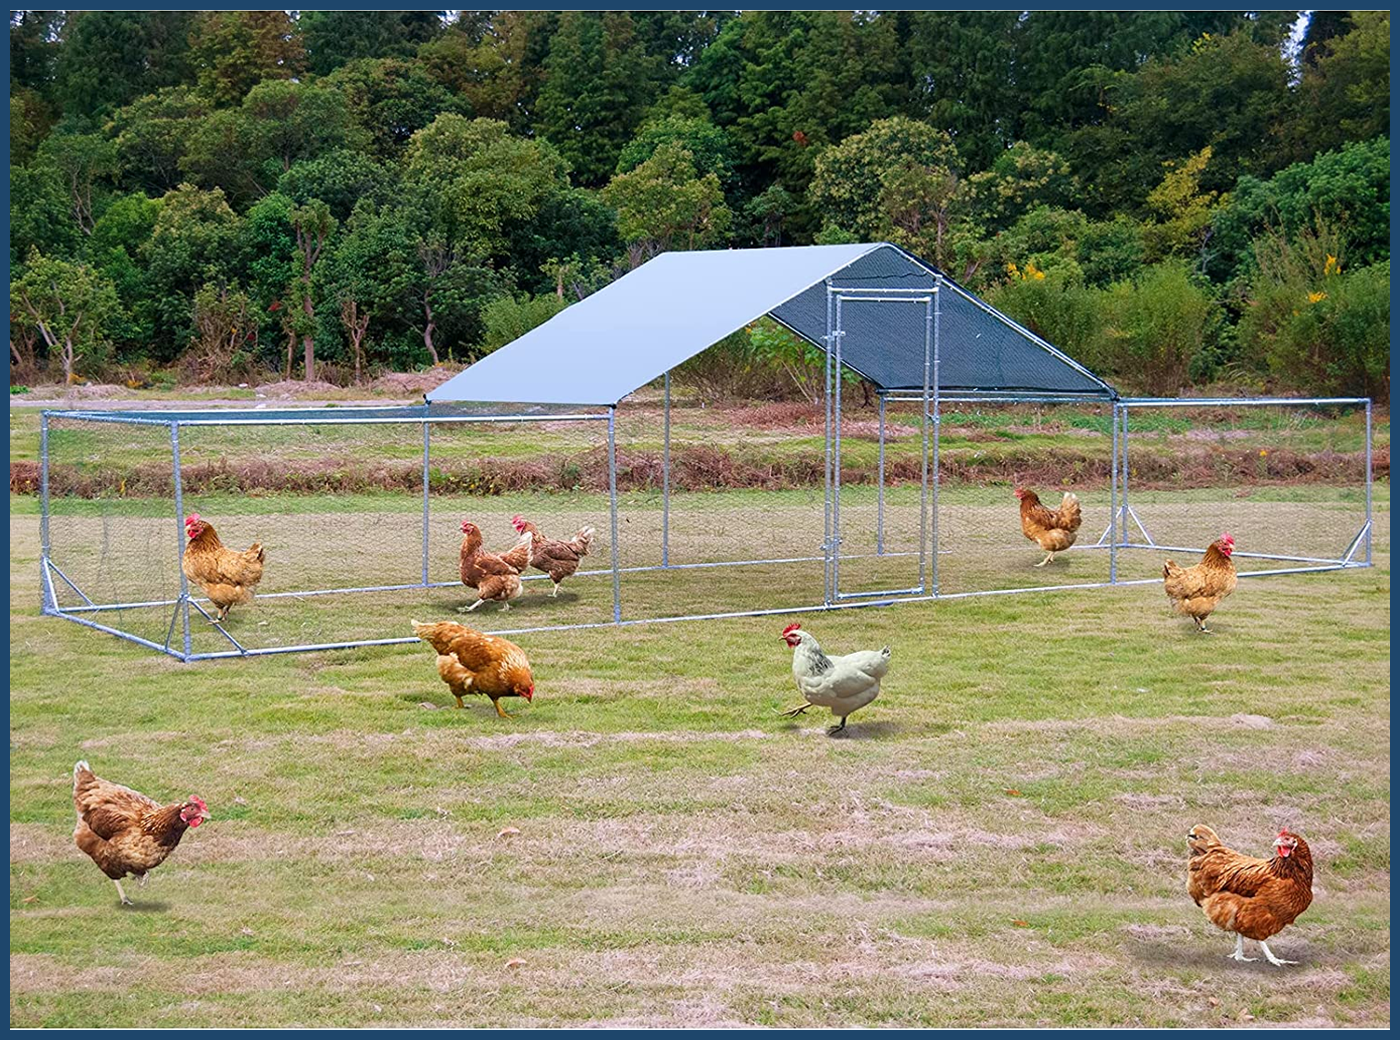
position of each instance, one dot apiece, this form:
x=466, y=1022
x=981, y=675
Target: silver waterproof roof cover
x=670, y=309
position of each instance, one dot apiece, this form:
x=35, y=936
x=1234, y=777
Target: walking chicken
x=492, y=577
x=843, y=684
x=227, y=577
x=125, y=832
x=1254, y=898
x=473, y=662
x=557, y=559
x=1054, y=530
x=1197, y=591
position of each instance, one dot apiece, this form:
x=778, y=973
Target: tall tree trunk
x=308, y=339
x=428, y=327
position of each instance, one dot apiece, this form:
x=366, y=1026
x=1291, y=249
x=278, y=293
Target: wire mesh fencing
x=359, y=513
x=1288, y=480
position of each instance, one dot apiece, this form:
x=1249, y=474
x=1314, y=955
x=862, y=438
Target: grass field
x=1000, y=840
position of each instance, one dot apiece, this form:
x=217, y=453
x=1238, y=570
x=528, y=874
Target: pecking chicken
x=472, y=662
x=1254, y=898
x=843, y=684
x=492, y=577
x=1197, y=591
x=125, y=832
x=227, y=577
x=557, y=559
x=1054, y=530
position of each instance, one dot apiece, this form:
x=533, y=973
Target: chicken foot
x=1201, y=624
x=837, y=729
x=1277, y=962
x=1049, y=558
x=555, y=593
x=793, y=713
x=501, y=711
x=1238, y=955
x=120, y=892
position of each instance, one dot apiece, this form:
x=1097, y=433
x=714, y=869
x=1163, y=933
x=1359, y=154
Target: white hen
x=843, y=684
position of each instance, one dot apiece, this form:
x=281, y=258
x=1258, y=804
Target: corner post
x=829, y=341
x=180, y=536
x=838, y=334
x=47, y=599
x=937, y=421
x=612, y=503
x=666, y=476
x=426, y=457
x=1113, y=504
x=1368, y=481
x=880, y=492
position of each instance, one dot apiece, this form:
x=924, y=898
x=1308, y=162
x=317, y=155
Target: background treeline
x=1174, y=198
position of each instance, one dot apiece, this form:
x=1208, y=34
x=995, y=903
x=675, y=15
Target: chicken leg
x=499, y=710
x=1049, y=558
x=120, y=892
x=1277, y=962
x=837, y=729
x=793, y=713
x=1238, y=955
x=468, y=610
x=555, y=593
x=1200, y=624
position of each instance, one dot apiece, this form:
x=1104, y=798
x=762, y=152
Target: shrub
x=507, y=318
x=1157, y=328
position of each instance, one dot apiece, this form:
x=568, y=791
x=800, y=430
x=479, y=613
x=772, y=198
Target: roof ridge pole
x=612, y=501
x=184, y=603
x=826, y=522
x=666, y=476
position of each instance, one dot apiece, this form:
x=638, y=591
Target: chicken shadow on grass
x=144, y=906
x=1198, y=953
x=853, y=731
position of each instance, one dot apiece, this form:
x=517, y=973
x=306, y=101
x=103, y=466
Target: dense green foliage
x=1148, y=190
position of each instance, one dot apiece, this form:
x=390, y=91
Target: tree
x=225, y=334
x=339, y=178
x=1182, y=209
x=964, y=63
x=498, y=71
x=1345, y=93
x=708, y=145
x=477, y=184
x=389, y=99
x=851, y=175
x=234, y=51
x=665, y=202
x=194, y=241
x=313, y=225
x=334, y=38
x=599, y=83
x=507, y=319
x=80, y=161
x=109, y=58
x=152, y=136
x=70, y=304
x=279, y=123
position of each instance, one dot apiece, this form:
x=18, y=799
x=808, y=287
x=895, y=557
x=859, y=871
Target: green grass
x=998, y=841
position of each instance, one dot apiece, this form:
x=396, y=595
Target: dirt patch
x=412, y=384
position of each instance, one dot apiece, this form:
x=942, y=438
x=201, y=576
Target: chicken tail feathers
x=79, y=768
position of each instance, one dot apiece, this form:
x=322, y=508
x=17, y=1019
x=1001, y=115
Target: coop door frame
x=835, y=592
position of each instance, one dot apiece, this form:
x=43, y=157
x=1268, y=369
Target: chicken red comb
x=1228, y=537
x=791, y=628
x=192, y=518
x=198, y=802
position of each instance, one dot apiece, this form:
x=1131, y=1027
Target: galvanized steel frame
x=1115, y=538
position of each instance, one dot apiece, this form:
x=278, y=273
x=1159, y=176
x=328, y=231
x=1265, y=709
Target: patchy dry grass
x=1000, y=840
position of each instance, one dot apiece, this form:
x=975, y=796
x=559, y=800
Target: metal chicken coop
x=902, y=498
